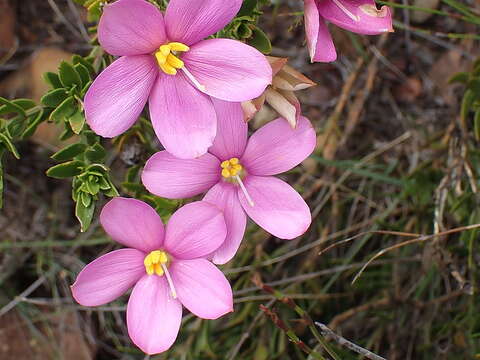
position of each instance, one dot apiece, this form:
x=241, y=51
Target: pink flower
x=358, y=16
x=238, y=176
x=166, y=267
x=165, y=61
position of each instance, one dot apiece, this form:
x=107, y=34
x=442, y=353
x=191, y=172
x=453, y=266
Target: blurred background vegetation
x=398, y=123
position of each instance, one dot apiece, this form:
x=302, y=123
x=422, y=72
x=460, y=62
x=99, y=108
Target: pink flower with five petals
x=165, y=61
x=358, y=16
x=238, y=176
x=164, y=265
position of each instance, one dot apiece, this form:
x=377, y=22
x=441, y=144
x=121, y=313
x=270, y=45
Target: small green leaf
x=92, y=186
x=66, y=170
x=5, y=140
x=54, y=97
x=64, y=110
x=25, y=104
x=96, y=153
x=467, y=102
x=86, y=199
x=67, y=134
x=16, y=126
x=9, y=107
x=77, y=121
x=248, y=8
x=244, y=31
x=461, y=77
x=260, y=41
x=52, y=79
x=33, y=124
x=69, y=76
x=84, y=214
x=474, y=85
x=132, y=187
x=476, y=123
x=83, y=72
x=69, y=152
x=76, y=59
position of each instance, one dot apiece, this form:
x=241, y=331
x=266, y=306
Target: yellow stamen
x=168, y=69
x=155, y=262
x=167, y=57
x=231, y=168
x=177, y=46
x=175, y=61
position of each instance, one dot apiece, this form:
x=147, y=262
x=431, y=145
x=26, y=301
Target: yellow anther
x=231, y=168
x=167, y=57
x=168, y=69
x=154, y=261
x=225, y=164
x=174, y=61
x=176, y=46
x=165, y=50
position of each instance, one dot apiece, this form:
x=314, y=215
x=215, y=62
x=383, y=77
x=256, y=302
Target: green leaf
x=25, y=104
x=84, y=214
x=461, y=77
x=69, y=152
x=96, y=153
x=66, y=170
x=92, y=186
x=248, y=8
x=1, y=180
x=69, y=76
x=33, y=124
x=476, y=123
x=83, y=72
x=77, y=121
x=467, y=102
x=9, y=107
x=244, y=31
x=86, y=199
x=132, y=187
x=52, y=79
x=66, y=134
x=76, y=59
x=54, y=97
x=64, y=110
x=16, y=126
x=5, y=140
x=260, y=41
x=474, y=85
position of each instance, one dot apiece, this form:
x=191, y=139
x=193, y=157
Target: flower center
x=232, y=171
x=157, y=262
x=231, y=168
x=167, y=57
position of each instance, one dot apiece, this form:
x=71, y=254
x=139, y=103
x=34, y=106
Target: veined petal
x=131, y=27
x=191, y=21
x=232, y=130
x=195, y=230
x=278, y=208
x=202, y=288
x=319, y=41
x=108, y=277
x=276, y=147
x=229, y=69
x=224, y=195
x=153, y=316
x=173, y=178
x=359, y=16
x=133, y=223
x=183, y=118
x=118, y=95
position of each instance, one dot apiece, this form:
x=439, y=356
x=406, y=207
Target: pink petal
x=118, y=95
x=183, y=118
x=195, y=230
x=319, y=41
x=108, y=277
x=173, y=178
x=191, y=21
x=224, y=195
x=276, y=147
x=202, y=288
x=131, y=27
x=153, y=316
x=278, y=208
x=229, y=69
x=133, y=223
x=359, y=16
x=232, y=130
